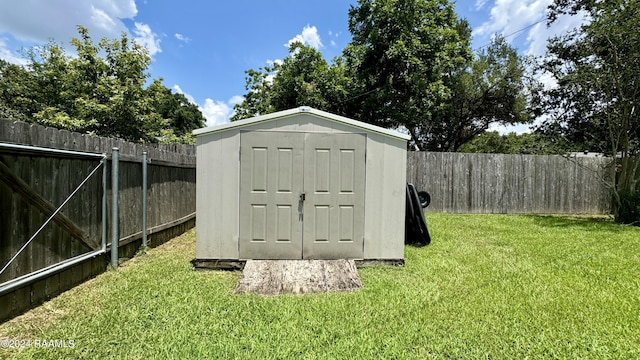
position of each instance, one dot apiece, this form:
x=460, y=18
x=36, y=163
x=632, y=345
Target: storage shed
x=300, y=184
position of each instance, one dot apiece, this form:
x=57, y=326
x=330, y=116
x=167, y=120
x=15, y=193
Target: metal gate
x=52, y=212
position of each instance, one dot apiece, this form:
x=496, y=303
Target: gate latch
x=303, y=196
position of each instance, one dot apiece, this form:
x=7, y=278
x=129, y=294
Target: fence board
x=50, y=189
x=500, y=183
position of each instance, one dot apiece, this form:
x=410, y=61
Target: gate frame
x=23, y=280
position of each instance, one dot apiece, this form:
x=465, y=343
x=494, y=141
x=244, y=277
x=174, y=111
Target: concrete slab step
x=274, y=277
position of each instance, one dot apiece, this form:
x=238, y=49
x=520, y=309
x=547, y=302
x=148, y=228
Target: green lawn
x=489, y=286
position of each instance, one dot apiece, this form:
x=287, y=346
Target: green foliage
x=16, y=92
x=596, y=67
x=401, y=52
x=303, y=78
x=488, y=286
x=256, y=100
x=629, y=210
x=512, y=143
x=100, y=91
x=182, y=115
x=487, y=90
x=571, y=7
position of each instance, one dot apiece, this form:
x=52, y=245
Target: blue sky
x=202, y=48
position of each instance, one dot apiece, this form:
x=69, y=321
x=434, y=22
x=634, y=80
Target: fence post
x=104, y=202
x=114, y=208
x=144, y=200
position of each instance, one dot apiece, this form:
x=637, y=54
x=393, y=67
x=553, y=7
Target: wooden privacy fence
x=34, y=182
x=499, y=183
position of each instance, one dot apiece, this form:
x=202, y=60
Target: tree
x=100, y=91
x=570, y=7
x=597, y=68
x=257, y=99
x=512, y=143
x=16, y=98
x=303, y=78
x=402, y=50
x=183, y=115
x=416, y=70
x=488, y=90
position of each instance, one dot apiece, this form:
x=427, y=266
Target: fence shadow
x=587, y=222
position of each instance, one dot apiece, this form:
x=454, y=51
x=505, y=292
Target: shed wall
x=218, y=166
x=217, y=173
x=385, y=198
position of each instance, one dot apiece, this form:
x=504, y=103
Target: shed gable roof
x=302, y=110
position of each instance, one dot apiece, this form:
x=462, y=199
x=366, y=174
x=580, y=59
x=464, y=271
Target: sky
x=203, y=48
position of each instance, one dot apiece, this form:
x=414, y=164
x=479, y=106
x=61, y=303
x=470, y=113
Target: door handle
x=303, y=196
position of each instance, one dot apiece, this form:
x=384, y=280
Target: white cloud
x=216, y=112
x=309, y=36
x=270, y=77
x=480, y=4
x=178, y=90
x=548, y=80
x=515, y=18
x=237, y=99
x=274, y=62
x=506, y=129
x=539, y=34
x=9, y=56
x=118, y=8
x=35, y=22
x=147, y=38
x=509, y=17
x=182, y=38
x=28, y=21
x=101, y=19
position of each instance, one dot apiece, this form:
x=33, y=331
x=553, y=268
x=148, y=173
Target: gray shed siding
x=218, y=189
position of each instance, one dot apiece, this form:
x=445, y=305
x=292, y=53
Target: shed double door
x=301, y=195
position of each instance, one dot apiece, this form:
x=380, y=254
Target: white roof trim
x=305, y=110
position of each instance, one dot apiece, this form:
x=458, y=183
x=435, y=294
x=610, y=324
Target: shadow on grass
x=416, y=245
x=581, y=222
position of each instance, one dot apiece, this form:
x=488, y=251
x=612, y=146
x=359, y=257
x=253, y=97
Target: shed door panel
x=334, y=183
x=271, y=180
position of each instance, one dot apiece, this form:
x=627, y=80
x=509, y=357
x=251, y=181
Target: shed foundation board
x=236, y=264
x=379, y=262
x=218, y=264
x=274, y=277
